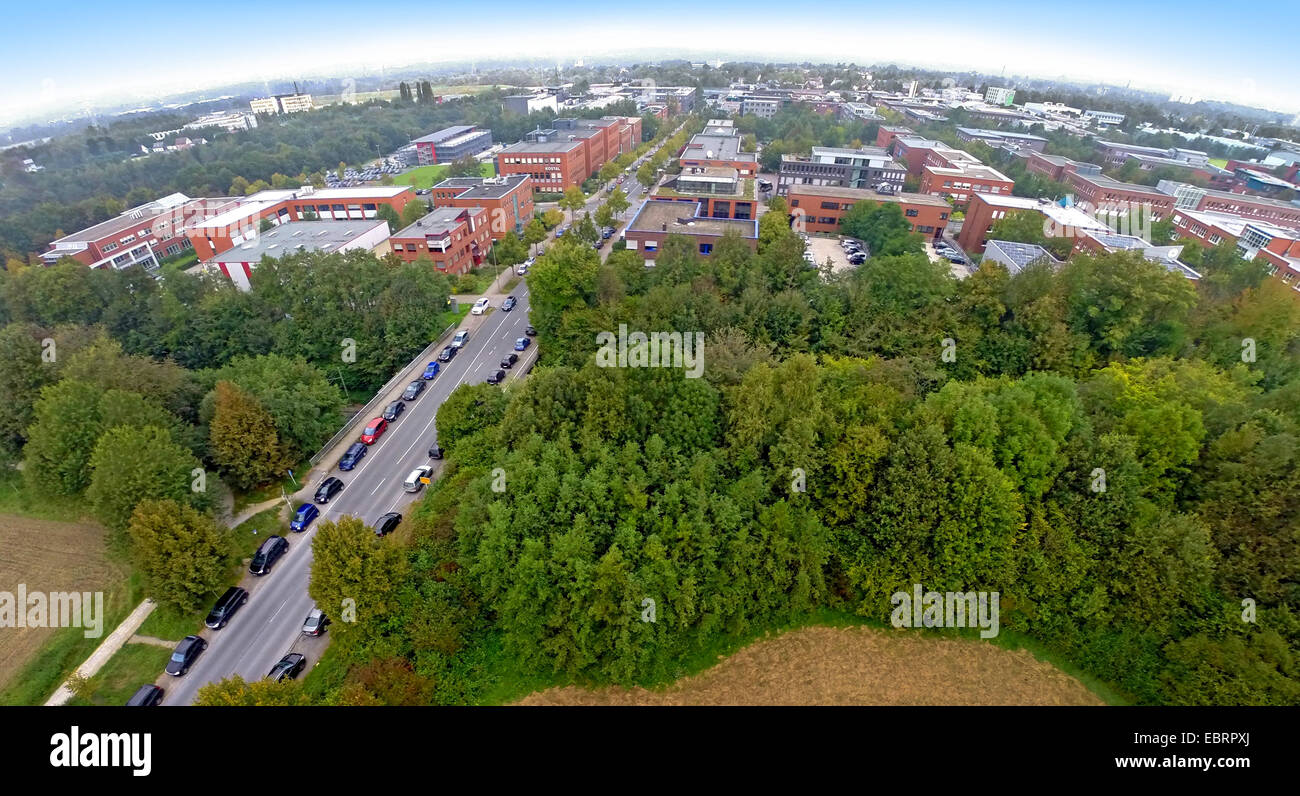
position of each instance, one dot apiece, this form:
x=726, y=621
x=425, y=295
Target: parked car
x=481, y=306
x=303, y=517
x=606, y=233
x=559, y=232
x=146, y=696
x=431, y=370
x=447, y=353
x=186, y=653
x=289, y=666
x=434, y=451
x=352, y=456
x=530, y=331
x=462, y=337
x=413, y=390
x=267, y=554
x=387, y=523
x=315, y=623
x=227, y=605
x=394, y=410
x=857, y=259
x=413, y=482
x=509, y=360
x=497, y=378
x=522, y=343
x=508, y=304
x=328, y=488
x=374, y=430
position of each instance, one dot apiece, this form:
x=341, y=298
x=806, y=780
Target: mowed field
x=854, y=666
x=48, y=556
x=426, y=176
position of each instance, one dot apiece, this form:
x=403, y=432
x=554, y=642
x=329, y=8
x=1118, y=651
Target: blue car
x=522, y=343
x=431, y=370
x=303, y=517
x=352, y=456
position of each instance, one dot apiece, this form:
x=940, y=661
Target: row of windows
x=529, y=160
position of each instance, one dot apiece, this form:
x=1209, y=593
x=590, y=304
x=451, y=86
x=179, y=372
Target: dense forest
x=1109, y=446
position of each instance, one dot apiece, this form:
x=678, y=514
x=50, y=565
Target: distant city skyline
x=1182, y=49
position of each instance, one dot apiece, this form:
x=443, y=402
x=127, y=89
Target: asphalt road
x=270, y=624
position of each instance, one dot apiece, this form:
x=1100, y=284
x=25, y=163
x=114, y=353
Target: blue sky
x=91, y=52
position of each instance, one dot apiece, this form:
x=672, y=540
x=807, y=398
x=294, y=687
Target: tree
x=354, y=578
x=239, y=186
x=234, y=691
x=604, y=216
x=586, y=231
x=617, y=201
x=552, y=218
x=469, y=408
x=60, y=441
x=183, y=555
x=387, y=213
x=534, y=233
x=300, y=400
x=509, y=250
x=244, y=443
x=413, y=212
x=464, y=167
x=573, y=201
x=608, y=171
x=134, y=464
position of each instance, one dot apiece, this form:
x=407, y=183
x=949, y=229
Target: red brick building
x=886, y=135
x=1055, y=167
x=553, y=165
x=657, y=220
x=508, y=199
x=962, y=180
x=986, y=209
x=1257, y=208
x=824, y=207
x=143, y=235
x=1101, y=191
x=456, y=239
x=243, y=219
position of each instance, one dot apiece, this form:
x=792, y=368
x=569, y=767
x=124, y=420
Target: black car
x=290, y=666
x=509, y=359
x=267, y=554
x=226, y=607
x=328, y=488
x=387, y=523
x=434, y=451
x=186, y=653
x=393, y=410
x=497, y=378
x=530, y=331
x=147, y=695
x=447, y=353
x=508, y=304
x=352, y=456
x=413, y=390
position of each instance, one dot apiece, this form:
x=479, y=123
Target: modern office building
x=656, y=220
x=712, y=191
x=142, y=236
x=508, y=199
x=553, y=165
x=999, y=95
x=823, y=207
x=719, y=151
x=1056, y=167
x=986, y=209
x=237, y=263
x=451, y=144
x=865, y=167
x=282, y=103
x=524, y=104
x=455, y=239
x=962, y=179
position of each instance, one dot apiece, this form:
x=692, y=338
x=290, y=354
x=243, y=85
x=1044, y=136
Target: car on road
x=497, y=378
x=530, y=331
x=267, y=554
x=387, y=523
x=606, y=233
x=509, y=304
x=413, y=482
x=481, y=306
x=315, y=623
x=413, y=391
x=226, y=606
x=352, y=456
x=146, y=696
x=434, y=451
x=509, y=360
x=522, y=268
x=447, y=353
x=559, y=232
x=185, y=654
x=394, y=410
x=303, y=517
x=374, y=430
x=328, y=488
x=431, y=370
x=289, y=666
x=522, y=342
x=462, y=337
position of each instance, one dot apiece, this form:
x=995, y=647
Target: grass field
x=48, y=556
x=1220, y=162
x=854, y=666
x=426, y=176
x=130, y=667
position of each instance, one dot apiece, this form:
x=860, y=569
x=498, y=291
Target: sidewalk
x=120, y=635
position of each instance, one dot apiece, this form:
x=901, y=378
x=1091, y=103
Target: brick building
x=1056, y=167
x=1101, y=191
x=824, y=207
x=1259, y=208
x=712, y=192
x=143, y=235
x=985, y=209
x=657, y=219
x=456, y=239
x=962, y=180
x=508, y=199
x=237, y=263
x=885, y=135
x=553, y=165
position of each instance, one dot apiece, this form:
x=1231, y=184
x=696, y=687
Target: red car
x=374, y=429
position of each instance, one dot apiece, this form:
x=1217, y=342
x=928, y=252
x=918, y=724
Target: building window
x=912, y=213
x=830, y=205
x=706, y=248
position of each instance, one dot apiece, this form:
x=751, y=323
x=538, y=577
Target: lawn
x=426, y=176
x=1220, y=162
x=274, y=490
x=130, y=667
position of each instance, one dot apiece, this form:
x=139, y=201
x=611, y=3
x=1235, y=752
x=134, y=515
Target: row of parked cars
x=946, y=251
x=854, y=250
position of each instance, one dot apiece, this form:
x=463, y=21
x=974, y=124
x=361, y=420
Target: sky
x=83, y=53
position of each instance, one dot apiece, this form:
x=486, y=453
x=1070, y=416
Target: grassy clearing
x=130, y=667
x=426, y=176
x=270, y=491
x=17, y=499
x=253, y=531
x=169, y=624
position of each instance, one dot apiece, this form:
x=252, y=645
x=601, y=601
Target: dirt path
x=106, y=650
x=854, y=666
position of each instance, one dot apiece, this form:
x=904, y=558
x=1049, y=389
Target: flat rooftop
x=445, y=133
x=973, y=170
x=439, y=221
x=296, y=236
x=483, y=187
x=1064, y=216
x=681, y=218
x=540, y=148
x=723, y=147
x=859, y=194
x=1102, y=181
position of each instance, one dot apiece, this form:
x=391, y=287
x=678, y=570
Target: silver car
x=413, y=482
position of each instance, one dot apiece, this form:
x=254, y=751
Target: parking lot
x=824, y=248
